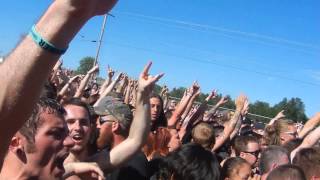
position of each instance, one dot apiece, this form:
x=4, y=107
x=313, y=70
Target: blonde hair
x=203, y=134
x=272, y=132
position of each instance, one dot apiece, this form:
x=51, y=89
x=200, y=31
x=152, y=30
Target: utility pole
x=100, y=39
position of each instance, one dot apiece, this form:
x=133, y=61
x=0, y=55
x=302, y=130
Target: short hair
x=286, y=172
x=231, y=165
x=189, y=162
x=49, y=91
x=241, y=143
x=218, y=130
x=309, y=161
x=78, y=102
x=203, y=134
x=271, y=155
x=44, y=105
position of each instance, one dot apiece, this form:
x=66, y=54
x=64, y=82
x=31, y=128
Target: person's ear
x=242, y=155
x=273, y=166
x=282, y=139
x=16, y=147
x=115, y=126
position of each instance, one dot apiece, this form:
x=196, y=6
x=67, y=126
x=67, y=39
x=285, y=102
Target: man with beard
x=114, y=123
x=77, y=118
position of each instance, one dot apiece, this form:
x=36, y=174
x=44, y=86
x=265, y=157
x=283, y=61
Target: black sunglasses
x=254, y=153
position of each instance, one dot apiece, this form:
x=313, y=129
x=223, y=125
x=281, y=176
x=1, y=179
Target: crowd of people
x=57, y=125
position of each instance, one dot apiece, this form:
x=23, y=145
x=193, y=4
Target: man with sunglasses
x=247, y=147
x=114, y=123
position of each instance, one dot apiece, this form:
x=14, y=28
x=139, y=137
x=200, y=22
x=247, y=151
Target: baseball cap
x=111, y=106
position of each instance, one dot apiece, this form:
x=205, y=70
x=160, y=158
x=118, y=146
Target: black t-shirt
x=135, y=169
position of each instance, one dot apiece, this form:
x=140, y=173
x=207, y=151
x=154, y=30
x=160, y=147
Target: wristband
x=43, y=43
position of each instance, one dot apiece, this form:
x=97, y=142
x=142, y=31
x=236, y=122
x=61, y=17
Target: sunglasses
x=254, y=153
x=103, y=120
x=295, y=134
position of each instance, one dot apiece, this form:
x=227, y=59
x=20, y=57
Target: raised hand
x=240, y=102
x=222, y=101
x=195, y=87
x=245, y=109
x=110, y=72
x=280, y=115
x=74, y=78
x=119, y=77
x=212, y=95
x=146, y=82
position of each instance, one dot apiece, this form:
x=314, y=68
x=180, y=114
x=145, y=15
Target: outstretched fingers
x=145, y=71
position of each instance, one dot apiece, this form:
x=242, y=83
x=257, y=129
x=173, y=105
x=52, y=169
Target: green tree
x=177, y=92
x=260, y=107
x=294, y=109
x=86, y=64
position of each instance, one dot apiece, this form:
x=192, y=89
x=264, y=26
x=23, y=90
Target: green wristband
x=43, y=43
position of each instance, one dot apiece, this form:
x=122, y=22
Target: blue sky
x=266, y=49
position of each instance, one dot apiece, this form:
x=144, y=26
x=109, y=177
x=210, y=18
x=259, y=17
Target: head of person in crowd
x=246, y=130
x=247, y=147
x=94, y=88
x=235, y=168
x=287, y=172
x=189, y=162
x=79, y=124
x=272, y=157
x=49, y=91
x=309, y=161
x=223, y=117
x=218, y=131
x=258, y=127
x=158, y=118
x=203, y=134
x=38, y=149
x=280, y=132
x=172, y=105
x=292, y=144
x=114, y=122
x=160, y=143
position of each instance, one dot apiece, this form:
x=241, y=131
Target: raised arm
x=195, y=89
x=109, y=88
x=55, y=70
x=85, y=81
x=213, y=110
x=124, y=81
x=63, y=91
x=176, y=115
x=128, y=91
x=244, y=112
x=311, y=139
x=140, y=126
x=310, y=125
x=28, y=66
x=107, y=82
x=240, y=102
x=277, y=117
